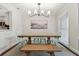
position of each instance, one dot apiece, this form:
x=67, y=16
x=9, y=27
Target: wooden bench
x=40, y=47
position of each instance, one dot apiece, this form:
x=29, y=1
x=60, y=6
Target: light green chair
x=39, y=40
x=35, y=40
x=43, y=40
x=54, y=41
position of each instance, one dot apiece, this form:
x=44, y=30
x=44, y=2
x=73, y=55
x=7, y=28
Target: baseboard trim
x=69, y=49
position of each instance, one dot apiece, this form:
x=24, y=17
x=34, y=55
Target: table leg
x=48, y=41
x=51, y=53
x=29, y=41
x=27, y=53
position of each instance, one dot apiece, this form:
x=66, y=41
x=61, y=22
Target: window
x=63, y=29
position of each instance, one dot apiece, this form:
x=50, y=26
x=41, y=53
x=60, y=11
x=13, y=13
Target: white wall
x=72, y=10
x=51, y=30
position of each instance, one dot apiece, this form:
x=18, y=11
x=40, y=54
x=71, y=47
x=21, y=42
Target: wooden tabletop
x=39, y=36
x=55, y=35
x=40, y=47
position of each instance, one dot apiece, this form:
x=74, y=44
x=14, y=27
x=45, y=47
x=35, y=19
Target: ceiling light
x=39, y=12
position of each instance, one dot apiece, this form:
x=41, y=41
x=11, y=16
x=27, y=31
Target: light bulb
x=48, y=13
x=35, y=12
x=29, y=12
x=42, y=12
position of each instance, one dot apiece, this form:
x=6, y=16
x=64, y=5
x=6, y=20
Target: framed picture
x=5, y=19
x=39, y=24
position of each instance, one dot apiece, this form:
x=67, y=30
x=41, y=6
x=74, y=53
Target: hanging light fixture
x=39, y=12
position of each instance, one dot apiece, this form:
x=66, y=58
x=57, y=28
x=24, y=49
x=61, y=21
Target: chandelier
x=39, y=12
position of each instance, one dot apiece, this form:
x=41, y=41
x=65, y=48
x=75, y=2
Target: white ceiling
x=2, y=9
x=46, y=6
